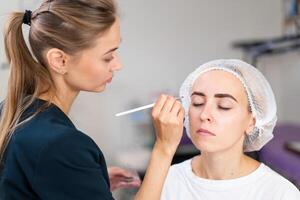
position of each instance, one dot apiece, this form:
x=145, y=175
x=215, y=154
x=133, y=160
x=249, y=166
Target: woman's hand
x=168, y=115
x=122, y=178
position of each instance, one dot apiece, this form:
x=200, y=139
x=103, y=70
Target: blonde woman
x=43, y=156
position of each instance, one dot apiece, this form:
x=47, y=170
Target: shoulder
x=179, y=173
x=283, y=187
x=177, y=180
x=71, y=140
x=73, y=156
x=51, y=132
x=181, y=167
x=50, y=126
x=73, y=147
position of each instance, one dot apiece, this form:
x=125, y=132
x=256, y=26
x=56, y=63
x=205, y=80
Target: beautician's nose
x=117, y=64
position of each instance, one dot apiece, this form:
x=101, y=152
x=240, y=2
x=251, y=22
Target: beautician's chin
x=101, y=87
x=97, y=89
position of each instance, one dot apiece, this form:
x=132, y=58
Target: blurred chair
x=276, y=155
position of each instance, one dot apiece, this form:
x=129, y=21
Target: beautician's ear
x=251, y=125
x=57, y=60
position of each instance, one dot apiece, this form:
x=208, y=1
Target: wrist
x=163, y=150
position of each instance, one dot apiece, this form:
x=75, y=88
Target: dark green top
x=48, y=158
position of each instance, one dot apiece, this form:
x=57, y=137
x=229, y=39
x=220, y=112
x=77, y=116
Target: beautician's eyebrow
x=216, y=95
x=113, y=49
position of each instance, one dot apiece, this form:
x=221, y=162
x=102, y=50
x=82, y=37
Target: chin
x=100, y=88
x=97, y=89
x=204, y=146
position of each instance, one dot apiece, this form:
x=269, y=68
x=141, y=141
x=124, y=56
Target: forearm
x=167, y=117
x=156, y=173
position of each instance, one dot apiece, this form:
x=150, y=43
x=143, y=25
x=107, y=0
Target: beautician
x=43, y=155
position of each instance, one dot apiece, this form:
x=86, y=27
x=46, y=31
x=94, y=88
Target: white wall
x=165, y=40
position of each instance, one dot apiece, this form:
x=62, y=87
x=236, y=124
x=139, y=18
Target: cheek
x=87, y=75
x=93, y=68
x=225, y=120
x=231, y=126
x=193, y=118
x=95, y=72
x=235, y=116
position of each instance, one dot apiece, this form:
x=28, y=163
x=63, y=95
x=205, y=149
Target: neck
x=223, y=165
x=63, y=97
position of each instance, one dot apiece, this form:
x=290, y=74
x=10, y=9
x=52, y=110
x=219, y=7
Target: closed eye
x=108, y=59
x=224, y=108
x=198, y=104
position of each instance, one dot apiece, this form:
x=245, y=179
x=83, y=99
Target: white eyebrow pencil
x=137, y=109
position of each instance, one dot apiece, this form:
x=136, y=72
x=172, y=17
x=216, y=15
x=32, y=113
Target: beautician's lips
x=109, y=80
x=205, y=132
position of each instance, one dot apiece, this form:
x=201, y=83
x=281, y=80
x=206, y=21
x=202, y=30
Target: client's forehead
x=219, y=81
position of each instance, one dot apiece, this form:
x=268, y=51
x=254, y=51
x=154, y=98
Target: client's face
x=218, y=113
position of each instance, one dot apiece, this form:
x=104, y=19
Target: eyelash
x=201, y=104
x=197, y=104
x=108, y=60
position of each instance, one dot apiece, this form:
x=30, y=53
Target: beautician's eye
x=108, y=59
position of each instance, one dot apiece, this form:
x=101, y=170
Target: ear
x=57, y=60
x=251, y=125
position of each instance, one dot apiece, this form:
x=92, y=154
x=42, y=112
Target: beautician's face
x=95, y=68
x=218, y=113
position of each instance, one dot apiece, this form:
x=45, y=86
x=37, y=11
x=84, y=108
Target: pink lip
x=109, y=80
x=204, y=132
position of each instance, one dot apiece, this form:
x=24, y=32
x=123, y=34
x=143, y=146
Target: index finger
x=159, y=104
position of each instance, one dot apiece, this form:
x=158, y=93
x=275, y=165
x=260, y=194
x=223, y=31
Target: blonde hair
x=69, y=25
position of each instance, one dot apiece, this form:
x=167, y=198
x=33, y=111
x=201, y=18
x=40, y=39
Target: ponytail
x=22, y=83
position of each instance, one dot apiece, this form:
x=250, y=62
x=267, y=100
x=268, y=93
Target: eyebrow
x=113, y=49
x=221, y=95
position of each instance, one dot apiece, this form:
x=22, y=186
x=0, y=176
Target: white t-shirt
x=262, y=184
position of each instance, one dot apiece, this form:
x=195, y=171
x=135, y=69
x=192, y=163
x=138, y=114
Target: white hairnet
x=260, y=97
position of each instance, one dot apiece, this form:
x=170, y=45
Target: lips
x=109, y=80
x=204, y=132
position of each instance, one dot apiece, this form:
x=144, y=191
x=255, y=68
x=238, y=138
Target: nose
x=117, y=64
x=206, y=113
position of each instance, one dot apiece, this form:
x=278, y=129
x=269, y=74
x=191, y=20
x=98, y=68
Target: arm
x=71, y=167
x=167, y=117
